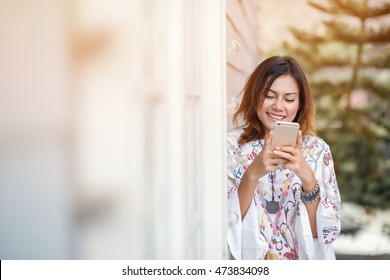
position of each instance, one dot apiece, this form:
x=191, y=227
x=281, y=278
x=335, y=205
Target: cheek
x=261, y=112
x=294, y=107
x=262, y=108
x=293, y=110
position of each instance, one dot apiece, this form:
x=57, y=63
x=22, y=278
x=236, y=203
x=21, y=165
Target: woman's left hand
x=296, y=162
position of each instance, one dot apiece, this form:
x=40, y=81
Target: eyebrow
x=287, y=93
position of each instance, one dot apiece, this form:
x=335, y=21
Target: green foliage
x=348, y=66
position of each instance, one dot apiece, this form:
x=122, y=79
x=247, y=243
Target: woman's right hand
x=265, y=162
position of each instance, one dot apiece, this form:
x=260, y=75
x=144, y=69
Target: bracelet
x=312, y=196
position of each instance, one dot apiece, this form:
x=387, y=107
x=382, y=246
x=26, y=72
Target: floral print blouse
x=286, y=234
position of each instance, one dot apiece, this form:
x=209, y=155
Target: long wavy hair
x=256, y=88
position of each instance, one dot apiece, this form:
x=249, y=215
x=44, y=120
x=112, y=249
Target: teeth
x=278, y=117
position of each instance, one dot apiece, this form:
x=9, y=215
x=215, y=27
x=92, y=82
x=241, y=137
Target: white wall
x=113, y=123
x=35, y=203
x=242, y=51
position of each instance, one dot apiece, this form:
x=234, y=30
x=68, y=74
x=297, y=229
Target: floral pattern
x=284, y=186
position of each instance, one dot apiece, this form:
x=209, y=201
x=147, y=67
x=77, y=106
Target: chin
x=270, y=126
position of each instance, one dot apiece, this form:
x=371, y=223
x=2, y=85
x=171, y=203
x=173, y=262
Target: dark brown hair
x=256, y=88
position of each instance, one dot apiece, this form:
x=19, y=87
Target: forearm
x=312, y=207
x=312, y=211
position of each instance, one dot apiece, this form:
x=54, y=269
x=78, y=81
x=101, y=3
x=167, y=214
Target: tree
x=347, y=58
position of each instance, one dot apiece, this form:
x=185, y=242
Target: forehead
x=284, y=85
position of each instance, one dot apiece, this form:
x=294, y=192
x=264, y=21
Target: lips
x=276, y=117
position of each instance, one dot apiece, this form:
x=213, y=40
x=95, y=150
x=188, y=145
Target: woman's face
x=281, y=102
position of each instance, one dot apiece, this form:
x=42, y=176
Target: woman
x=299, y=180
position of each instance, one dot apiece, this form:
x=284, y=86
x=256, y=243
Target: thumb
x=299, y=141
x=268, y=140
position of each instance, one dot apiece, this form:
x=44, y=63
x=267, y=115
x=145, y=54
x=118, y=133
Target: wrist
x=313, y=195
x=309, y=181
x=250, y=175
x=309, y=185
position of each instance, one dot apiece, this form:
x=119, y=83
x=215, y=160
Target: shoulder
x=233, y=136
x=244, y=149
x=315, y=143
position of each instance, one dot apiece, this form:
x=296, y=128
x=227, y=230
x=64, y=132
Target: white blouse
x=287, y=233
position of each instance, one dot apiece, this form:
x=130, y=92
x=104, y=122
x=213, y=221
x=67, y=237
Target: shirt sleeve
x=243, y=239
x=328, y=219
x=234, y=235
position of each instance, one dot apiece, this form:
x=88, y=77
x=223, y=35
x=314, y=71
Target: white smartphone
x=285, y=134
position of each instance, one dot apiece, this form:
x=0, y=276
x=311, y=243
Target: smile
x=276, y=117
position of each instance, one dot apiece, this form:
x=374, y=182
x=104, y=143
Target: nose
x=278, y=104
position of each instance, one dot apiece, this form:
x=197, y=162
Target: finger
x=289, y=165
x=276, y=165
x=283, y=155
x=278, y=161
x=299, y=141
x=268, y=140
x=286, y=149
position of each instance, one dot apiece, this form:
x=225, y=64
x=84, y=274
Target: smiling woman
x=276, y=79
x=287, y=197
x=281, y=102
